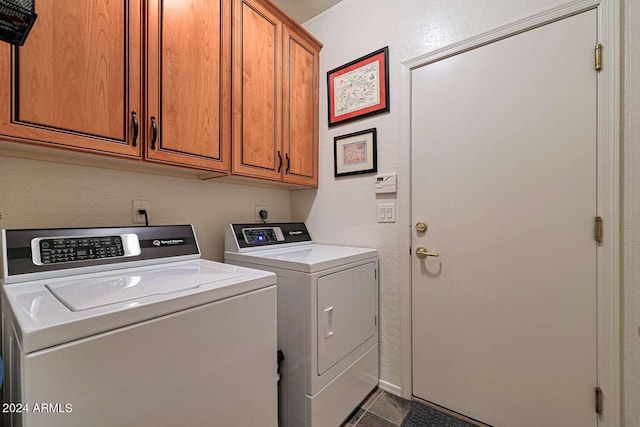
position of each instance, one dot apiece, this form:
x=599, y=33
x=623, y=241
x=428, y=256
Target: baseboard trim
x=390, y=388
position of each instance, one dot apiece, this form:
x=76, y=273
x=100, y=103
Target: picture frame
x=359, y=89
x=355, y=153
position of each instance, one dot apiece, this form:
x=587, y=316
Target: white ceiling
x=303, y=10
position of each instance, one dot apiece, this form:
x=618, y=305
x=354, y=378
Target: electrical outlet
x=136, y=206
x=258, y=209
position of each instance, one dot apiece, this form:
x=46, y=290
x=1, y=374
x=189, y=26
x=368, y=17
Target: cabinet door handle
x=154, y=138
x=280, y=164
x=288, y=164
x=134, y=116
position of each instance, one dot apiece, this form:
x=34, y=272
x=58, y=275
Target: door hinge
x=375, y=273
x=598, y=400
x=598, y=229
x=375, y=320
x=598, y=55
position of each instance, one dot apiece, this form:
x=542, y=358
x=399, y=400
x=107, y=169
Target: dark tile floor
x=379, y=409
x=382, y=409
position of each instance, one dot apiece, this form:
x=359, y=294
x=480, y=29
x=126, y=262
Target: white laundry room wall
x=48, y=195
x=343, y=210
x=631, y=216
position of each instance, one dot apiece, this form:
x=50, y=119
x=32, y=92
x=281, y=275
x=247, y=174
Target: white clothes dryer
x=129, y=327
x=327, y=319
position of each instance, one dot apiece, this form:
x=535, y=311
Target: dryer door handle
x=328, y=322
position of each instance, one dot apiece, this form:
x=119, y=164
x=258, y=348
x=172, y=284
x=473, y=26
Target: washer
x=129, y=327
x=327, y=319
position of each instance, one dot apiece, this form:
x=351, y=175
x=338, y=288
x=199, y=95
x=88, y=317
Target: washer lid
x=49, y=312
x=88, y=293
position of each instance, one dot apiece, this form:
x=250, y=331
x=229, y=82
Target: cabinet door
x=300, y=139
x=76, y=81
x=257, y=91
x=189, y=83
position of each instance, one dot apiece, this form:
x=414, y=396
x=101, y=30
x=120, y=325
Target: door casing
x=608, y=136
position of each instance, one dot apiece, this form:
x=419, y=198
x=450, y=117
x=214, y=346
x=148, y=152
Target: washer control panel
x=55, y=250
x=45, y=253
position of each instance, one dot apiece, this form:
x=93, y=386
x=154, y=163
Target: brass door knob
x=421, y=226
x=423, y=252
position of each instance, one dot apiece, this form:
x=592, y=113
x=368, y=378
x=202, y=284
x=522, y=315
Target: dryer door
x=346, y=313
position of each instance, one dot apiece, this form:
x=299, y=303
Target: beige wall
x=631, y=217
x=344, y=210
x=42, y=194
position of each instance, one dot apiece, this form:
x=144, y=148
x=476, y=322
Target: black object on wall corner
x=16, y=20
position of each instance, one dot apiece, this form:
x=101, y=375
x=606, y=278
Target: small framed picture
x=360, y=88
x=355, y=153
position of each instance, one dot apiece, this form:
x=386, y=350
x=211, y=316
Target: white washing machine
x=327, y=319
x=128, y=327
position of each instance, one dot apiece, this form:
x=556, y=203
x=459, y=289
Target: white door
x=504, y=175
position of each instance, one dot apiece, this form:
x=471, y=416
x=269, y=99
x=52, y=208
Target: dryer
x=327, y=319
x=129, y=327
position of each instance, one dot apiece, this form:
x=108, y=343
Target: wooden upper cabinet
x=76, y=82
x=189, y=83
x=257, y=91
x=300, y=94
x=225, y=86
x=275, y=96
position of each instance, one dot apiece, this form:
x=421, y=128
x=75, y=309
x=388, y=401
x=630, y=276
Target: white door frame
x=608, y=205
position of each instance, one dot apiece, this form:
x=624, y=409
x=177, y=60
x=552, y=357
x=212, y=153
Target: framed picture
x=360, y=88
x=355, y=153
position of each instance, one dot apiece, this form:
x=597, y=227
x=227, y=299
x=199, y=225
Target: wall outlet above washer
x=137, y=205
x=261, y=208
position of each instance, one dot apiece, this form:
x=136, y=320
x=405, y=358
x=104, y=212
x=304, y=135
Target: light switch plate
x=386, y=212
